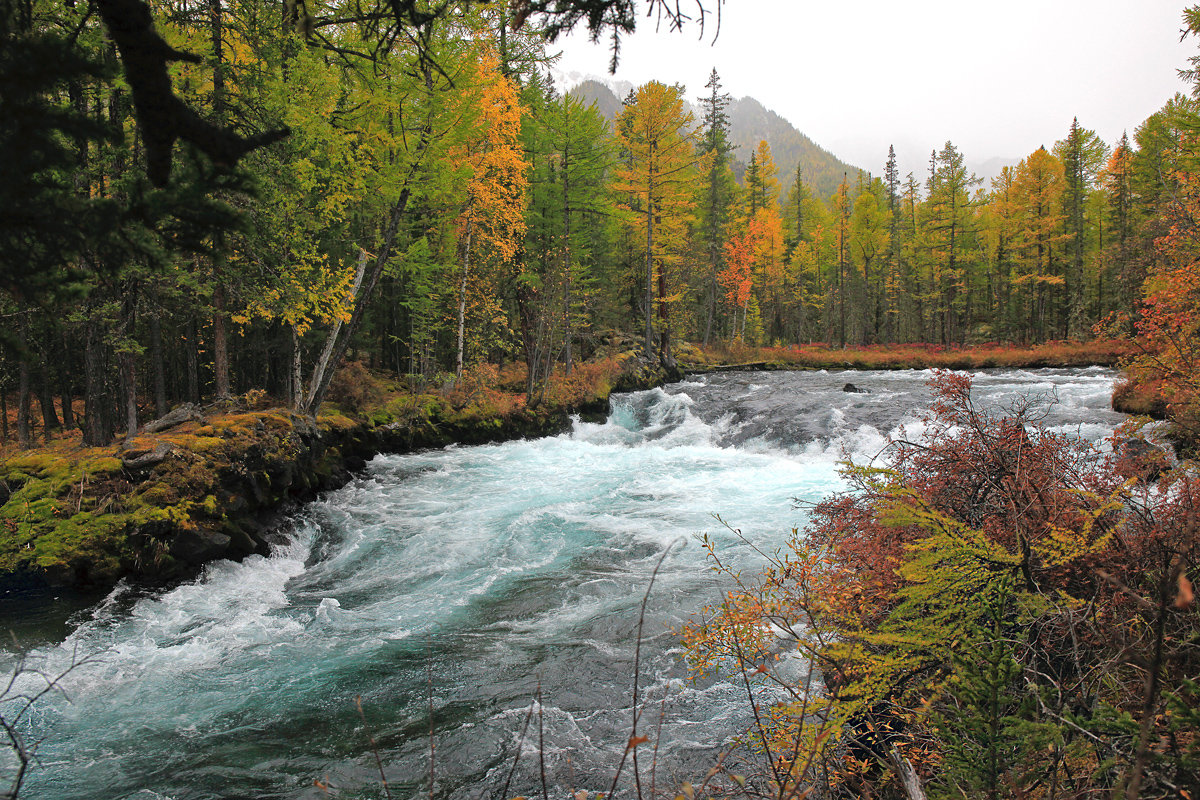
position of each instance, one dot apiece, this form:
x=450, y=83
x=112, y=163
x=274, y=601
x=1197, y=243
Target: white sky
x=997, y=79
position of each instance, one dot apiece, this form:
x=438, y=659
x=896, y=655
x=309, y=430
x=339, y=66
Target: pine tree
x=718, y=191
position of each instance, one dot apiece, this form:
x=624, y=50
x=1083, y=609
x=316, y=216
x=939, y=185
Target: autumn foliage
x=993, y=610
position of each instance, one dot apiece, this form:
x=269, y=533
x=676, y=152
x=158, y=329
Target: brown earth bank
x=211, y=483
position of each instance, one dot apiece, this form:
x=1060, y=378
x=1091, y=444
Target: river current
x=447, y=589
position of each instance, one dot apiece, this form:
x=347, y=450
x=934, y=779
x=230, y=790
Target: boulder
x=135, y=460
x=1141, y=459
x=199, y=546
x=176, y=416
x=852, y=389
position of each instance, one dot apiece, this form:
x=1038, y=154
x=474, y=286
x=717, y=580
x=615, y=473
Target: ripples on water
x=468, y=578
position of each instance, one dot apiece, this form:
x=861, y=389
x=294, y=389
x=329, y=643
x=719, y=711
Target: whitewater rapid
x=469, y=580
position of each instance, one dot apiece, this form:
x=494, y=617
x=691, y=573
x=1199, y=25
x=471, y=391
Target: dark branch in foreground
x=162, y=117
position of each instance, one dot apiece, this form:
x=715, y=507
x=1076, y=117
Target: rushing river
x=466, y=580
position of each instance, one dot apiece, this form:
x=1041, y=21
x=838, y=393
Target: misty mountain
x=750, y=122
x=607, y=102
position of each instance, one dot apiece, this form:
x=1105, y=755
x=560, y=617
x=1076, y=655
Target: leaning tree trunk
x=320, y=383
x=322, y=367
x=462, y=301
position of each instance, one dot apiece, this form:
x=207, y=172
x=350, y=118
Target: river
x=465, y=581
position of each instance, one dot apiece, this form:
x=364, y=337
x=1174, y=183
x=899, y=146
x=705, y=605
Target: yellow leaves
x=1064, y=544
x=498, y=181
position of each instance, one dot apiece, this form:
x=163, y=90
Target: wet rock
x=852, y=389
x=199, y=546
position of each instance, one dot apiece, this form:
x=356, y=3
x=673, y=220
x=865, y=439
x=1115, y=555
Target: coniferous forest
x=421, y=195
x=243, y=204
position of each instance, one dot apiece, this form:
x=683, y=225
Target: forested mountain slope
x=749, y=123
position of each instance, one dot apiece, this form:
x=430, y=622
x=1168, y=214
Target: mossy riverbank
x=157, y=507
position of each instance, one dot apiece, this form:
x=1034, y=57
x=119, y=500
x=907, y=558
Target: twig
x=374, y=748
x=429, y=701
x=541, y=742
x=634, y=739
x=520, y=742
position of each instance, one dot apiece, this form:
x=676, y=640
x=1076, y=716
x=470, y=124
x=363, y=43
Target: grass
x=912, y=356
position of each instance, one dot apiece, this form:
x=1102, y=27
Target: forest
x=205, y=201
x=437, y=204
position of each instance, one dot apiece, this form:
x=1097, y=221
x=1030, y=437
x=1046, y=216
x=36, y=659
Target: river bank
x=450, y=586
x=158, y=506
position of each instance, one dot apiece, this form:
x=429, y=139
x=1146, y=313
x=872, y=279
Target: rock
x=1141, y=459
x=199, y=546
x=176, y=416
x=134, y=460
x=851, y=388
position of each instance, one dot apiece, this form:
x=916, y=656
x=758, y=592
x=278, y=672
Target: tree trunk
x=220, y=344
x=650, y=254
x=46, y=401
x=129, y=389
x=63, y=370
x=97, y=422
x=664, y=317
x=907, y=775
x=322, y=371
x=160, y=371
x=566, y=263
x=4, y=412
x=24, y=437
x=193, y=362
x=296, y=384
x=462, y=301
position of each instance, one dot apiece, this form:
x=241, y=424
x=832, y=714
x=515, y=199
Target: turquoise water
x=465, y=581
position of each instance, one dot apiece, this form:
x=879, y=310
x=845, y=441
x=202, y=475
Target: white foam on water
x=491, y=566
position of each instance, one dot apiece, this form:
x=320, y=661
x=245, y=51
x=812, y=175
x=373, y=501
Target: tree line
x=423, y=198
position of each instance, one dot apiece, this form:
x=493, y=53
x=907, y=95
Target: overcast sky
x=997, y=79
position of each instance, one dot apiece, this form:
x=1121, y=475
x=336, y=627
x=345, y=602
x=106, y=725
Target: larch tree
x=491, y=220
x=1038, y=188
x=1083, y=154
x=949, y=214
x=657, y=134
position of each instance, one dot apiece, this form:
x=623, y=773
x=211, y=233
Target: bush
x=985, y=609
x=354, y=389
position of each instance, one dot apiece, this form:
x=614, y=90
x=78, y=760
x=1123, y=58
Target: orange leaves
x=497, y=182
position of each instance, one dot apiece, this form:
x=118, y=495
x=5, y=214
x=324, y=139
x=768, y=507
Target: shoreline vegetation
x=210, y=483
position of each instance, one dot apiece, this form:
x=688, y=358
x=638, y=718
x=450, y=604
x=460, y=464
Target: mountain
x=986, y=170
x=749, y=123
x=606, y=102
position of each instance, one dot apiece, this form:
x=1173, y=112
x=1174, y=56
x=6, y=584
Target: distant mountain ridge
x=749, y=123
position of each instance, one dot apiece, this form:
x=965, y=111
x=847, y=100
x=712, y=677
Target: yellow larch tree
x=491, y=222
